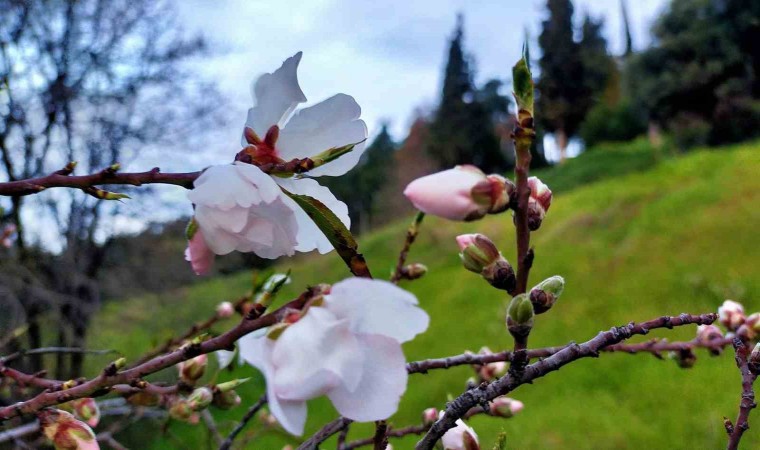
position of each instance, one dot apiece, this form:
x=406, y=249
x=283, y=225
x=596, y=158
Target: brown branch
x=411, y=235
x=749, y=373
x=393, y=433
x=479, y=396
x=110, y=377
x=191, y=332
x=324, y=433
x=380, y=439
x=653, y=346
x=227, y=444
x=107, y=176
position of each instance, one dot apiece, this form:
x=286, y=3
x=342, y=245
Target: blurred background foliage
x=643, y=223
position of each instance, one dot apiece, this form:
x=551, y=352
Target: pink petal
x=199, y=254
x=446, y=194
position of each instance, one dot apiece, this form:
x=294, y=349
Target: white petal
x=332, y=123
x=310, y=237
x=382, y=384
x=257, y=351
x=275, y=97
x=225, y=357
x=314, y=355
x=377, y=307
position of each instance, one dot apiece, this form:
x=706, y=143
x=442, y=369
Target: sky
x=388, y=54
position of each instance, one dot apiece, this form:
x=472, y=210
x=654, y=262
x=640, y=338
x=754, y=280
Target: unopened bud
x=182, y=410
x=708, y=333
x=86, y=409
x=226, y=399
x=495, y=193
x=546, y=293
x=225, y=310
x=538, y=203
x=477, y=251
x=200, y=398
x=750, y=328
x=414, y=271
x=461, y=437
x=685, y=358
x=192, y=370
x=65, y=431
x=230, y=385
x=480, y=255
x=753, y=361
x=520, y=316
x=491, y=371
x=505, y=407
x=731, y=315
x=429, y=416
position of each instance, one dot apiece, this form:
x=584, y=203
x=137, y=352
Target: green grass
x=678, y=237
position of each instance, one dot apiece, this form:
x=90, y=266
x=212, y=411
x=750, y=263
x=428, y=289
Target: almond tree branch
x=106, y=176
x=481, y=395
x=110, y=376
x=653, y=346
x=324, y=433
x=227, y=444
x=749, y=373
x=191, y=332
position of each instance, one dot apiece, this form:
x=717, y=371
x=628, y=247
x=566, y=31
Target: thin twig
x=749, y=373
x=324, y=433
x=411, y=235
x=49, y=350
x=110, y=376
x=481, y=395
x=227, y=444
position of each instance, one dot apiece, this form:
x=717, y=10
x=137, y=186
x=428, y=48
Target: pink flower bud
x=461, y=437
x=505, y=407
x=461, y=193
x=65, y=431
x=192, y=369
x=86, y=409
x=199, y=254
x=429, y=416
x=182, y=410
x=538, y=203
x=731, y=315
x=492, y=370
x=200, y=398
x=480, y=255
x=707, y=333
x=225, y=310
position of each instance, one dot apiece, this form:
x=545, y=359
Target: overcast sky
x=388, y=54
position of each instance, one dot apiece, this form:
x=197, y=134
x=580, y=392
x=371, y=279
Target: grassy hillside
x=676, y=238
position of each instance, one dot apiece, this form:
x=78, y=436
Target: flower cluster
x=345, y=345
x=239, y=207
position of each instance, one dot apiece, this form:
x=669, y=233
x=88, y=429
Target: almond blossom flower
x=243, y=208
x=346, y=346
x=461, y=437
x=731, y=314
x=461, y=193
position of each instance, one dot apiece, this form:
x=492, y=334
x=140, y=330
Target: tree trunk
x=561, y=137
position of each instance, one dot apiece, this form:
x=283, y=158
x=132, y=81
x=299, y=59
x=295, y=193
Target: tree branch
x=749, y=375
x=227, y=444
x=482, y=394
x=411, y=235
x=323, y=434
x=110, y=376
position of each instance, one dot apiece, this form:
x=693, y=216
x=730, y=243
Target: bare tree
x=97, y=82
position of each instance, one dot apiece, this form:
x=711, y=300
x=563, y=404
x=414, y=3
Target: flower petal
x=383, y=381
x=275, y=97
x=377, y=307
x=332, y=123
x=257, y=352
x=314, y=355
x=199, y=254
x=309, y=236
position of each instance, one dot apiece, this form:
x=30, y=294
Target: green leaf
x=337, y=233
x=522, y=81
